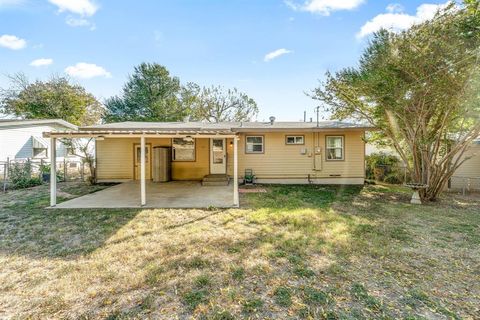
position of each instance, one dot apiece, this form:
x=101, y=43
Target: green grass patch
x=361, y=294
x=303, y=272
x=252, y=305
x=283, y=296
x=195, y=297
x=238, y=273
x=313, y=296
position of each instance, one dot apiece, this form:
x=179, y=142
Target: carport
x=173, y=194
x=144, y=193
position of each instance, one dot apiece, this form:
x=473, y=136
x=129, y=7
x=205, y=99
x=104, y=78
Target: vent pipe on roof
x=272, y=120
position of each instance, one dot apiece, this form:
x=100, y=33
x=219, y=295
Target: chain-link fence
x=465, y=184
x=39, y=169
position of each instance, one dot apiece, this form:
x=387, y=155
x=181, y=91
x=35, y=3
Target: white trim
x=53, y=172
x=16, y=122
x=294, y=139
x=174, y=153
x=327, y=148
x=142, y=172
x=340, y=180
x=235, y=173
x=218, y=168
x=247, y=143
x=80, y=134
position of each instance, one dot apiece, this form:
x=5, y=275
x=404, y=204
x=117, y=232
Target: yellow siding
x=469, y=169
x=286, y=161
x=115, y=159
x=189, y=170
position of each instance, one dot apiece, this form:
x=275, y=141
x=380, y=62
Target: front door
x=218, y=156
x=136, y=161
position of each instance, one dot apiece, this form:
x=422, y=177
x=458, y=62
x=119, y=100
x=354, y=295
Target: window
x=294, y=140
x=335, y=148
x=40, y=152
x=254, y=144
x=183, y=149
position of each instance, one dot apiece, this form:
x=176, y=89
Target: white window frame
x=327, y=148
x=184, y=160
x=295, y=138
x=251, y=143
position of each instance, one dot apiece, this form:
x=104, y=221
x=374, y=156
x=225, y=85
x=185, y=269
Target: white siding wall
x=16, y=141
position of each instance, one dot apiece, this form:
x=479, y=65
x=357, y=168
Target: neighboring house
x=329, y=152
x=468, y=174
x=22, y=139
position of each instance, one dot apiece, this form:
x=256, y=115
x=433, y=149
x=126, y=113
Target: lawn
x=294, y=252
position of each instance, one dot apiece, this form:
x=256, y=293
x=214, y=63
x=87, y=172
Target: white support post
x=53, y=172
x=235, y=173
x=142, y=171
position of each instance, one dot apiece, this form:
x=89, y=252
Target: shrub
x=384, y=167
x=393, y=178
x=21, y=176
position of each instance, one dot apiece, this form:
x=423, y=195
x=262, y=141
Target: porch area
x=173, y=194
x=184, y=156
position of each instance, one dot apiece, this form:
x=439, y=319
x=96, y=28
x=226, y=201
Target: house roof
x=225, y=126
x=26, y=123
x=201, y=129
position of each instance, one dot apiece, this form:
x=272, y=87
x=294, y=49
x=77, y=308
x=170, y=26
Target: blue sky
x=273, y=50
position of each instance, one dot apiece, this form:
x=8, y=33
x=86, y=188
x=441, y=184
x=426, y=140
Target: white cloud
x=275, y=54
x=396, y=20
x=41, y=62
x=12, y=42
x=11, y=3
x=394, y=7
x=86, y=71
x=324, y=7
x=81, y=7
x=79, y=22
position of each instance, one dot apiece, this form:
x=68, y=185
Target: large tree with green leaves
x=421, y=89
x=150, y=94
x=56, y=98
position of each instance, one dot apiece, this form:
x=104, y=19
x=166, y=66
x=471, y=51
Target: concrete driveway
x=173, y=194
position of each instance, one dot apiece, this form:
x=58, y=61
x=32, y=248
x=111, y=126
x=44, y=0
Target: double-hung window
x=295, y=140
x=254, y=144
x=335, y=148
x=183, y=149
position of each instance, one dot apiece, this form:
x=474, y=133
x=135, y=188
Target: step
x=215, y=178
x=215, y=183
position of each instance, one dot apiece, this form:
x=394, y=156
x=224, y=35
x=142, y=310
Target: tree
x=56, y=98
x=84, y=149
x=216, y=104
x=150, y=94
x=419, y=88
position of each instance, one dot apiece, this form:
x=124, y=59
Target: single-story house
x=23, y=139
x=327, y=152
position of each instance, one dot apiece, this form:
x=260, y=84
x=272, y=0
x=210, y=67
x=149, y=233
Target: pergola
x=141, y=135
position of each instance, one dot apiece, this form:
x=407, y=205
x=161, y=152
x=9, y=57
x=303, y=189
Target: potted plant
x=45, y=172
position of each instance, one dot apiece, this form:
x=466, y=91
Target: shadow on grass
x=28, y=228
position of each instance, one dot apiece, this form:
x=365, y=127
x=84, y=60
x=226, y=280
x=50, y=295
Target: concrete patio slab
x=173, y=194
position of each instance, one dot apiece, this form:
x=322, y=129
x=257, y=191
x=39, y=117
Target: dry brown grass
x=293, y=252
